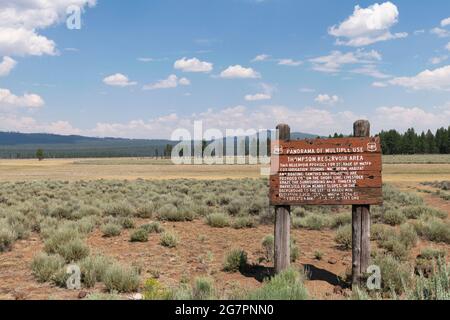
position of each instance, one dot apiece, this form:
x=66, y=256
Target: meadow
x=204, y=239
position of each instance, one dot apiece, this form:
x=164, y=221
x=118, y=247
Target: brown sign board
x=341, y=171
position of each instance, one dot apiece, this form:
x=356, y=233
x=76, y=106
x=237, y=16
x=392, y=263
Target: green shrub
x=121, y=279
x=311, y=222
x=235, y=260
x=153, y=227
x=169, y=240
x=408, y=235
x=344, y=237
x=435, y=287
x=45, y=266
x=268, y=244
x=126, y=223
x=7, y=238
x=203, y=289
x=169, y=212
x=93, y=269
x=416, y=212
x=294, y=251
x=145, y=211
x=73, y=250
x=244, y=222
x=218, y=220
x=140, y=235
x=395, y=275
x=318, y=255
x=119, y=210
x=287, y=285
x=379, y=231
x=434, y=230
x=340, y=220
x=154, y=290
x=393, y=217
x=111, y=230
x=432, y=253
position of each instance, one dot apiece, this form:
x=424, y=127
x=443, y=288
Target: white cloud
x=118, y=80
x=441, y=33
x=438, y=60
x=171, y=82
x=445, y=22
x=448, y=46
x=437, y=79
x=371, y=71
x=378, y=84
x=261, y=57
x=21, y=20
x=402, y=118
x=258, y=97
x=327, y=99
x=368, y=25
x=6, y=66
x=193, y=65
x=237, y=71
x=289, y=62
x=333, y=62
x=8, y=100
x=145, y=59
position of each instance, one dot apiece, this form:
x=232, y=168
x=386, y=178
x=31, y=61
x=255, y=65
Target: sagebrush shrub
x=287, y=285
x=7, y=238
x=111, y=230
x=268, y=244
x=203, y=289
x=140, y=235
x=169, y=239
x=153, y=227
x=395, y=275
x=218, y=220
x=344, y=237
x=244, y=222
x=393, y=217
x=235, y=260
x=121, y=279
x=93, y=269
x=44, y=266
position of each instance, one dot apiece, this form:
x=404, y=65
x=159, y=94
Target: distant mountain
x=17, y=145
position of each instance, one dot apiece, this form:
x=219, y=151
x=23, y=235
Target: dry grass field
x=199, y=232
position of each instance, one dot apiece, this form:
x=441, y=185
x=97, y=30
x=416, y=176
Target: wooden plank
x=326, y=172
x=282, y=221
x=360, y=222
x=327, y=146
x=282, y=238
x=367, y=196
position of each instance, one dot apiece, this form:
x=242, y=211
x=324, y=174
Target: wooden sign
x=340, y=171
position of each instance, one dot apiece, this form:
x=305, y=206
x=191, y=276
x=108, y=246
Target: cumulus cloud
x=441, y=33
x=10, y=100
x=437, y=79
x=368, y=25
x=171, y=82
x=327, y=99
x=20, y=22
x=239, y=72
x=118, y=80
x=193, y=65
x=402, y=118
x=6, y=66
x=334, y=62
x=445, y=22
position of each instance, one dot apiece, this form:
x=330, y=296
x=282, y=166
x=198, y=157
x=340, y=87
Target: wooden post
x=360, y=223
x=282, y=220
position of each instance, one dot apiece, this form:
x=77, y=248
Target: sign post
x=282, y=219
x=342, y=171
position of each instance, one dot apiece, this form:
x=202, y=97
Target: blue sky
x=142, y=69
